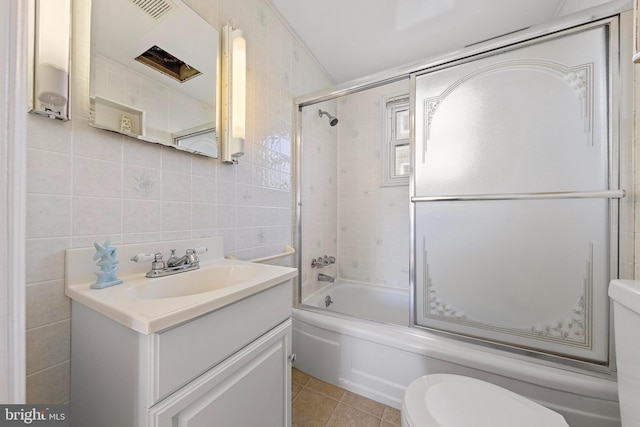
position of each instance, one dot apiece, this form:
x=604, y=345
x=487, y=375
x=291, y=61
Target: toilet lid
x=445, y=400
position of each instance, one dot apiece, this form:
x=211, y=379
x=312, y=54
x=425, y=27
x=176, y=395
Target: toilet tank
x=626, y=316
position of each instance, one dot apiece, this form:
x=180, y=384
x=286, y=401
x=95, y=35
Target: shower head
x=332, y=119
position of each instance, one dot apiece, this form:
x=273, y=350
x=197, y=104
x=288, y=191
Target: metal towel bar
x=607, y=194
x=288, y=250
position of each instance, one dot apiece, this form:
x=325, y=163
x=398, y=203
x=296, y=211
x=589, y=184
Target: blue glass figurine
x=108, y=265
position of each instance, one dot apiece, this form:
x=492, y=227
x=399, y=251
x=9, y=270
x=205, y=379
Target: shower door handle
x=604, y=194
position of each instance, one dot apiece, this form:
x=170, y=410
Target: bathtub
x=378, y=356
x=381, y=303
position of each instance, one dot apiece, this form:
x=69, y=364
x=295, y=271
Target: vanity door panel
x=250, y=389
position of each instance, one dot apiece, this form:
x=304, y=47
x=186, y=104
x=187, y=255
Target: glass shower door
x=513, y=196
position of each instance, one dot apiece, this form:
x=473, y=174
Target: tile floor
x=318, y=404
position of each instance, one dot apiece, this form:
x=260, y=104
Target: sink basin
x=192, y=282
x=148, y=305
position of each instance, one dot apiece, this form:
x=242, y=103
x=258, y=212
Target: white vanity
x=176, y=351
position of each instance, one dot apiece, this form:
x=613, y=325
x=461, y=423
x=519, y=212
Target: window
x=395, y=146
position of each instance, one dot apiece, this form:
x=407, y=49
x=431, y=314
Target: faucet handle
x=328, y=260
x=158, y=263
x=142, y=258
x=192, y=257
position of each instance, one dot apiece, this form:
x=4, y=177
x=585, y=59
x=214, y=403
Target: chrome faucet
x=323, y=261
x=190, y=258
x=325, y=278
x=174, y=265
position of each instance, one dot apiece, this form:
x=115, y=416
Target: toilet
x=626, y=326
x=445, y=400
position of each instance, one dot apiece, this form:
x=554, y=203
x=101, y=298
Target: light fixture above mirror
x=154, y=73
x=234, y=69
x=49, y=53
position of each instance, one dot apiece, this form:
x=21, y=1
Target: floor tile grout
x=312, y=387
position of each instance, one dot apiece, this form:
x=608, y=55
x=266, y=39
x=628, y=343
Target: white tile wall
x=346, y=212
x=319, y=188
x=373, y=220
x=87, y=185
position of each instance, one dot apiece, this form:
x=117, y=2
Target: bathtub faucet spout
x=325, y=278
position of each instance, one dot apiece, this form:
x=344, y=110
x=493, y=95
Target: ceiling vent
x=161, y=60
x=154, y=8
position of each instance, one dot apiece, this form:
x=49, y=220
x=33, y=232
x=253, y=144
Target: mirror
x=154, y=67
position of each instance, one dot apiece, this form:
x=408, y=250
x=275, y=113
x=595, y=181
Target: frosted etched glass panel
x=533, y=273
x=527, y=273
x=533, y=119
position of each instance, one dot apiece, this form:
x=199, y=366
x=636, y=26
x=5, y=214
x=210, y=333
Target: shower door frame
x=619, y=113
x=619, y=16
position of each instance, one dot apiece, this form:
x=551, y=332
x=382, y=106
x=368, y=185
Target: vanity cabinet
x=251, y=388
x=229, y=367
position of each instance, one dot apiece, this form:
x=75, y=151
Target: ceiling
x=356, y=38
